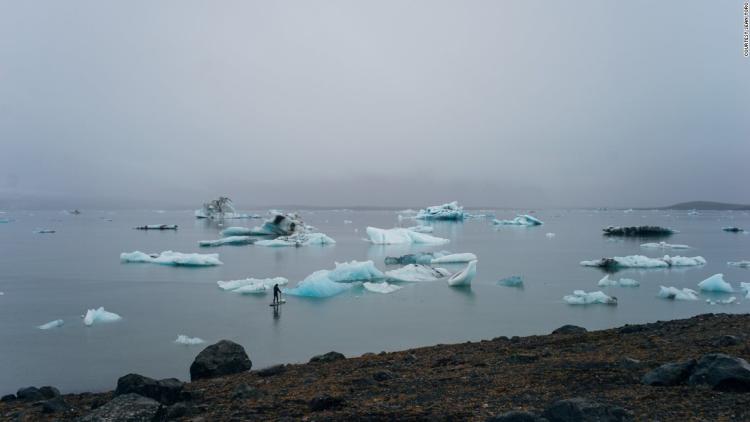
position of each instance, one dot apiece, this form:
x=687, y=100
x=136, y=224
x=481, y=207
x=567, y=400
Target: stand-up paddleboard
x=280, y=302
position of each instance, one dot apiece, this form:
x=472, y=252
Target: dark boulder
x=674, y=373
x=722, y=372
x=584, y=410
x=166, y=391
x=223, y=358
x=30, y=394
x=244, y=391
x=272, y=370
x=176, y=411
x=325, y=402
x=726, y=341
x=570, y=329
x=516, y=416
x=55, y=405
x=125, y=408
x=49, y=392
x=8, y=398
x=328, y=357
x=384, y=375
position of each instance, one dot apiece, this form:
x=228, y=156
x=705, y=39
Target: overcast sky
x=497, y=103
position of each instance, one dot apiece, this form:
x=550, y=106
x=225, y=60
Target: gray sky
x=499, y=103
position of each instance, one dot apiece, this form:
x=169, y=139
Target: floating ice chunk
x=326, y=283
x=52, y=324
x=449, y=211
x=640, y=261
x=741, y=264
x=383, y=287
x=99, y=315
x=186, y=340
x=684, y=261
x=715, y=283
x=550, y=235
x=454, y=258
x=580, y=297
x=173, y=258
x=628, y=282
x=664, y=245
x=355, y=271
x=638, y=231
x=746, y=288
x=606, y=281
x=465, y=276
x=693, y=212
x=422, y=229
x=252, y=285
x=231, y=240
x=416, y=258
x=298, y=239
x=416, y=273
x=400, y=236
x=624, y=282
x=157, y=227
x=677, y=294
x=237, y=231
x=44, y=231
x=521, y=220
x=512, y=281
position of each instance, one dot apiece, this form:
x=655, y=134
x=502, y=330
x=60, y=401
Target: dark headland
x=707, y=205
x=572, y=374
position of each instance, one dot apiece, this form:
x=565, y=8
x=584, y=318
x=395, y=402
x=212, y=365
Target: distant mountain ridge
x=706, y=205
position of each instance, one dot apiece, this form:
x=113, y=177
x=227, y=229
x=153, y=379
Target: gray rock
x=570, y=329
x=8, y=398
x=244, y=391
x=516, y=416
x=325, y=402
x=383, y=375
x=669, y=374
x=328, y=357
x=272, y=370
x=55, y=405
x=125, y=408
x=176, y=411
x=722, y=372
x=166, y=391
x=584, y=410
x=725, y=341
x=29, y=394
x=223, y=358
x=49, y=391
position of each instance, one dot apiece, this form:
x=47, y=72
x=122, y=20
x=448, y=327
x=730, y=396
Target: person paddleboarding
x=276, y=295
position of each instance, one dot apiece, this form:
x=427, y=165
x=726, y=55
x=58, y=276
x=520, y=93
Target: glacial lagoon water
x=60, y=275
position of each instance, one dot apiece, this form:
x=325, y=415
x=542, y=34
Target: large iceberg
x=664, y=245
x=465, y=276
x=186, y=340
x=637, y=231
x=640, y=261
x=623, y=282
x=231, y=240
x=715, y=283
x=326, y=283
x=252, y=285
x=298, y=239
x=454, y=258
x=400, y=236
x=99, y=315
x=521, y=220
x=580, y=297
x=449, y=211
x=173, y=258
x=416, y=273
x=52, y=324
x=677, y=294
x=383, y=287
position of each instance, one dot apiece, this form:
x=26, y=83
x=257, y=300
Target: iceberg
x=728, y=301
x=416, y=273
x=624, y=282
x=664, y=245
x=422, y=229
x=383, y=287
x=454, y=258
x=172, y=258
x=157, y=227
x=677, y=294
x=400, y=236
x=417, y=258
x=231, y=240
x=741, y=264
x=746, y=288
x=281, y=225
x=186, y=340
x=327, y=283
x=580, y=297
x=521, y=220
x=638, y=231
x=252, y=285
x=684, y=261
x=640, y=261
x=44, y=231
x=512, y=281
x=550, y=235
x=220, y=208
x=715, y=283
x=465, y=276
x=449, y=211
x=52, y=324
x=99, y=315
x=237, y=231
x=298, y=239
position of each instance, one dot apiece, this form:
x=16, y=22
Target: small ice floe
x=623, y=282
x=728, y=301
x=465, y=276
x=347, y=221
x=416, y=273
x=449, y=211
x=415, y=258
x=237, y=231
x=715, y=283
x=512, y=281
x=44, y=231
x=521, y=220
x=422, y=229
x=326, y=283
x=628, y=211
x=741, y=264
x=401, y=236
x=733, y=229
x=188, y=341
x=383, y=287
x=745, y=287
x=693, y=212
x=550, y=235
x=297, y=239
x=231, y=240
x=252, y=285
x=172, y=258
x=580, y=297
x=52, y=324
x=640, y=261
x=664, y=245
x=99, y=315
x=674, y=293
x=454, y=258
x=638, y=231
x=157, y=227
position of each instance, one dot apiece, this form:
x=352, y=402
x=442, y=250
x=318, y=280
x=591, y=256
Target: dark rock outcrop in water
x=223, y=358
x=638, y=231
x=166, y=391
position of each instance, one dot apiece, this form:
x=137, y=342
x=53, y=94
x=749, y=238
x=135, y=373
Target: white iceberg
x=664, y=245
x=640, y=261
x=550, y=235
x=422, y=229
x=52, y=324
x=741, y=264
x=580, y=297
x=512, y=281
x=416, y=273
x=400, y=236
x=99, y=315
x=231, y=240
x=44, y=231
x=746, y=288
x=297, y=239
x=383, y=287
x=252, y=285
x=326, y=283
x=237, y=231
x=677, y=294
x=449, y=211
x=465, y=276
x=684, y=261
x=186, y=340
x=624, y=282
x=520, y=220
x=172, y=258
x=715, y=283
x=454, y=258
x=221, y=208
x=157, y=227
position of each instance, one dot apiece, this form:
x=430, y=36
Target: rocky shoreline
x=690, y=369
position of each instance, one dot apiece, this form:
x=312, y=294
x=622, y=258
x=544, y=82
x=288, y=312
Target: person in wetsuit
x=276, y=294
